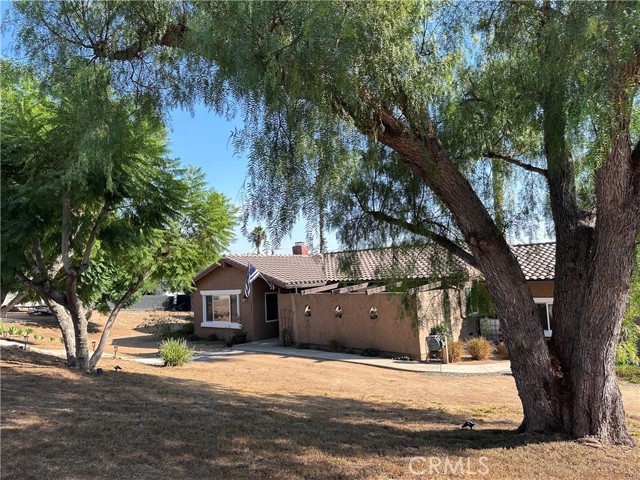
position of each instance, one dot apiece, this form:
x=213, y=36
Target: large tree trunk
x=598, y=409
x=531, y=362
x=61, y=314
x=80, y=323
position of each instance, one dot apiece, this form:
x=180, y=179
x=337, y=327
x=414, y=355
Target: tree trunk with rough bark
x=61, y=314
x=80, y=323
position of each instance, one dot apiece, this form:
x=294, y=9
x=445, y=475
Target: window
x=271, y=307
x=545, y=314
x=221, y=308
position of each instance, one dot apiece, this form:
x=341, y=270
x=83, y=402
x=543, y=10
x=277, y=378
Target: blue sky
x=202, y=140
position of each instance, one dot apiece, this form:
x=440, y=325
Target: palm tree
x=258, y=236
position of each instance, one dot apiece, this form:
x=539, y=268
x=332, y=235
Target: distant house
x=347, y=297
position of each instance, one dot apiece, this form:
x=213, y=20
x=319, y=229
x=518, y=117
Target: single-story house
x=348, y=297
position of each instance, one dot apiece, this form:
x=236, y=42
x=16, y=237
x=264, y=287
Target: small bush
x=456, y=350
x=629, y=373
x=162, y=329
x=441, y=329
x=175, y=352
x=334, y=345
x=479, y=348
x=501, y=351
x=369, y=352
x=185, y=330
x=627, y=349
x=303, y=346
x=285, y=337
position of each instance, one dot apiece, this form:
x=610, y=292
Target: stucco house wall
x=252, y=310
x=392, y=332
x=448, y=306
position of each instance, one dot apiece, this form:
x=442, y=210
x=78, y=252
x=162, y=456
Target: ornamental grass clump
x=479, y=348
x=456, y=350
x=175, y=352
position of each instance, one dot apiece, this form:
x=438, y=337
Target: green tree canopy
x=458, y=122
x=92, y=206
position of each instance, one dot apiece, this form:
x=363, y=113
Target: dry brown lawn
x=269, y=417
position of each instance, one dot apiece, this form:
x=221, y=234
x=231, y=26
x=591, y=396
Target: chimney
x=300, y=248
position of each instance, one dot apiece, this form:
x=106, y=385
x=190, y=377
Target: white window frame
x=545, y=301
x=265, y=308
x=217, y=324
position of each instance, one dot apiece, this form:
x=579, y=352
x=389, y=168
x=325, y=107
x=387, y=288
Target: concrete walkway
x=272, y=347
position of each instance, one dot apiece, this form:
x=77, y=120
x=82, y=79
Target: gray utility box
x=438, y=344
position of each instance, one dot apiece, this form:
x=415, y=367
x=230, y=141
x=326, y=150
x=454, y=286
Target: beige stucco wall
x=391, y=332
x=252, y=310
x=436, y=306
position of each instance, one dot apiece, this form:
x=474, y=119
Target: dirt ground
x=131, y=333
x=255, y=416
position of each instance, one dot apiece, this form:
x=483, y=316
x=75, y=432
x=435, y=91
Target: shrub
x=441, y=329
x=175, y=352
x=334, y=345
x=303, y=346
x=285, y=337
x=369, y=352
x=456, y=350
x=629, y=373
x=479, y=348
x=627, y=349
x=501, y=351
x=185, y=330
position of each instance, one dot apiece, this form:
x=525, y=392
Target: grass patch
x=243, y=417
x=629, y=373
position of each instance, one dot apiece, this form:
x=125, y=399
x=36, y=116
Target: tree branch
x=112, y=318
x=441, y=240
x=43, y=291
x=38, y=255
x=173, y=36
x=514, y=161
x=66, y=224
x=92, y=236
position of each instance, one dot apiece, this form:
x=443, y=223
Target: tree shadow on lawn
x=59, y=423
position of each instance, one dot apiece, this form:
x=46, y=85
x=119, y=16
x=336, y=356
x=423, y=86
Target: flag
x=252, y=274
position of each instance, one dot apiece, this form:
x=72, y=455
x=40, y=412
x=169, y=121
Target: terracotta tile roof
x=287, y=271
x=429, y=263
x=299, y=271
x=537, y=260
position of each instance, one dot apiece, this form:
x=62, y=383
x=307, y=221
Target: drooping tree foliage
x=457, y=123
x=92, y=207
